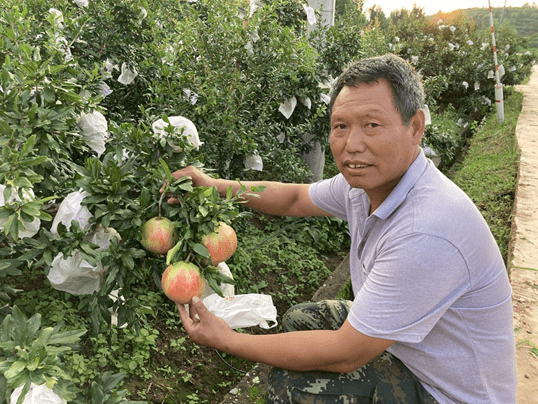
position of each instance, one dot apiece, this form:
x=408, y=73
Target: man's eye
x=372, y=125
x=340, y=126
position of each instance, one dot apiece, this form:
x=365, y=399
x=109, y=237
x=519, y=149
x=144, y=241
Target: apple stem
x=189, y=257
x=160, y=203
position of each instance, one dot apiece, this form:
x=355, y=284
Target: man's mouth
x=357, y=165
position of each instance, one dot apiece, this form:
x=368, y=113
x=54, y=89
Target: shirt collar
x=399, y=193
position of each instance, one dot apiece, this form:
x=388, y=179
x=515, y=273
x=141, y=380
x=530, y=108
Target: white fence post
x=498, y=86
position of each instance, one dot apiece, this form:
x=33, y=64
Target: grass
x=488, y=170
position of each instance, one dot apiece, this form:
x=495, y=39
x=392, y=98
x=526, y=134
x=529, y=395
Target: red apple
x=221, y=243
x=182, y=281
x=158, y=235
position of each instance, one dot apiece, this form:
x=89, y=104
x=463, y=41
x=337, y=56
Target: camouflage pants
x=384, y=380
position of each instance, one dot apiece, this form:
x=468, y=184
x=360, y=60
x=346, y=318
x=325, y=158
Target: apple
x=221, y=243
x=181, y=281
x=158, y=235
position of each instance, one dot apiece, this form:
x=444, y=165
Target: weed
x=533, y=348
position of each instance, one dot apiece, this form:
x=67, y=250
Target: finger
x=184, y=315
x=199, y=308
x=173, y=200
x=194, y=311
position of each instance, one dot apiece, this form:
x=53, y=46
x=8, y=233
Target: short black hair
x=407, y=89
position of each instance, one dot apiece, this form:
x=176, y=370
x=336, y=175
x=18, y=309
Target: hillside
x=523, y=19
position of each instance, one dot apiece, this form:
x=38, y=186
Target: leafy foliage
x=30, y=354
x=229, y=72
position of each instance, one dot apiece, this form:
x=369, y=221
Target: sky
x=433, y=6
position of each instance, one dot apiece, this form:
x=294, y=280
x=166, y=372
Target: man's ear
x=417, y=125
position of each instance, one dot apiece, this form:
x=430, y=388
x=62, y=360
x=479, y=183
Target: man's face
x=370, y=143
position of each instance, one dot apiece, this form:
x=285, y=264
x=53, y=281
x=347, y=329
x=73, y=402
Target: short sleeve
x=331, y=195
x=412, y=283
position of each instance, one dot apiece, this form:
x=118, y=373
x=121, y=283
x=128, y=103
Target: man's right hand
x=198, y=178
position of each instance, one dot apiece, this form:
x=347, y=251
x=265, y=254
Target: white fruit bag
x=241, y=311
x=287, y=107
x=127, y=76
x=253, y=162
x=181, y=125
x=115, y=295
x=74, y=274
x=37, y=395
x=94, y=130
x=71, y=209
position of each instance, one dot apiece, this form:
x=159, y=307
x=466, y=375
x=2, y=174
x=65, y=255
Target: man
x=431, y=321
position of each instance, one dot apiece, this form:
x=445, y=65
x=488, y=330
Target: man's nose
x=355, y=142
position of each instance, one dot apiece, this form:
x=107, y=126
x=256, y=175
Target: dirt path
x=524, y=246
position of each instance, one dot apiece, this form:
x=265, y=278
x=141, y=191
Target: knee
x=277, y=387
x=299, y=318
x=323, y=315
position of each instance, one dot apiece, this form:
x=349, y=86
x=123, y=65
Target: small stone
x=234, y=391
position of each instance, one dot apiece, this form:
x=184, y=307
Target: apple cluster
x=183, y=280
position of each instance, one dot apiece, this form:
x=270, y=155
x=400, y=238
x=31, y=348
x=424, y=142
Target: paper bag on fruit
x=241, y=311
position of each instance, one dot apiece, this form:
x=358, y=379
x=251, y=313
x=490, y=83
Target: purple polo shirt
x=427, y=273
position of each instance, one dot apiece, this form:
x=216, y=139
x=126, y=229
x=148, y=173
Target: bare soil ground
x=524, y=246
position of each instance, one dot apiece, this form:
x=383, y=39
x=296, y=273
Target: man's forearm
x=277, y=198
x=298, y=351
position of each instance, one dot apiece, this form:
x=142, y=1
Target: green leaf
x=34, y=323
x=5, y=212
x=111, y=381
x=213, y=284
x=32, y=112
x=49, y=94
x=6, y=79
x=24, y=390
x=171, y=254
x=258, y=188
x=203, y=211
x=11, y=226
x=67, y=337
x=30, y=254
x=43, y=338
x=166, y=171
x=212, y=272
x=144, y=197
x=30, y=210
x=44, y=216
x=97, y=393
x=28, y=146
x=35, y=161
x=128, y=261
x=15, y=370
x=22, y=182
x=200, y=249
x=185, y=186
x=47, y=257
